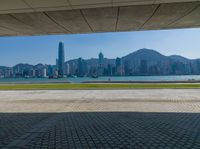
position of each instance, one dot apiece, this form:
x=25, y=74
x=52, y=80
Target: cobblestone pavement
x=145, y=123
x=101, y=130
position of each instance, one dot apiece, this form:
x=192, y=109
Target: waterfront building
x=101, y=58
x=67, y=69
x=44, y=73
x=118, y=66
x=33, y=73
x=73, y=68
x=54, y=71
x=57, y=63
x=82, y=67
x=118, y=62
x=109, y=70
x=8, y=73
x=61, y=59
x=127, y=70
x=101, y=64
x=143, y=67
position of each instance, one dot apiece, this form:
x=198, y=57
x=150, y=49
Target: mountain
x=155, y=63
x=146, y=54
x=23, y=66
x=39, y=66
x=179, y=58
x=148, y=62
x=152, y=57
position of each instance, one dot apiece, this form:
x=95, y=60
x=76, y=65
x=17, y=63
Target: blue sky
x=43, y=49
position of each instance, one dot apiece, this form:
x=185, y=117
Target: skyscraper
x=101, y=64
x=101, y=58
x=61, y=59
x=118, y=66
x=80, y=67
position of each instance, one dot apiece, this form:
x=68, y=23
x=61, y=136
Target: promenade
x=133, y=119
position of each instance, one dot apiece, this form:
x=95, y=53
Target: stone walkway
x=101, y=130
x=173, y=124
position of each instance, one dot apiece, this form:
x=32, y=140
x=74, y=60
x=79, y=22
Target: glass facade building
x=61, y=59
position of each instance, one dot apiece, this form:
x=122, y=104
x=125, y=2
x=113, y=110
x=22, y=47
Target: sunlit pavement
x=134, y=119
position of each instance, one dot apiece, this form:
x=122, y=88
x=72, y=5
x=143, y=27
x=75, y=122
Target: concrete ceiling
x=42, y=17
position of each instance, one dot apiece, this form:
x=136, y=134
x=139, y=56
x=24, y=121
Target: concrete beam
x=167, y=14
x=133, y=17
x=23, y=6
x=83, y=4
x=101, y=19
x=7, y=32
x=132, y=2
x=173, y=1
x=48, y=5
x=127, y=15
x=8, y=22
x=192, y=19
x=71, y=20
x=40, y=22
x=7, y=5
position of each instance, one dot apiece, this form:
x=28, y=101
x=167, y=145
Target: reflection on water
x=123, y=78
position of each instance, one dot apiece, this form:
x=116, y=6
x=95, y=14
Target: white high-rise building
x=44, y=73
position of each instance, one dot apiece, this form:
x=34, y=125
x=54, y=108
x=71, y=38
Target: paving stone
x=80, y=130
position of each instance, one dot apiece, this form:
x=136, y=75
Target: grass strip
x=65, y=86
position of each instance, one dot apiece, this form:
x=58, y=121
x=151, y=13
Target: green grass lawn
x=65, y=86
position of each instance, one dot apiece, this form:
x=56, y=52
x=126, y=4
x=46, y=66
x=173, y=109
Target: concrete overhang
x=45, y=17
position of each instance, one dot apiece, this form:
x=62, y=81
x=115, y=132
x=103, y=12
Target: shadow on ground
x=100, y=130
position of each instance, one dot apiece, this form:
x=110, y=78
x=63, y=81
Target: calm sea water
x=78, y=80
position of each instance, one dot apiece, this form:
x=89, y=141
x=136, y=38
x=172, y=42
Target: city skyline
x=143, y=62
x=42, y=49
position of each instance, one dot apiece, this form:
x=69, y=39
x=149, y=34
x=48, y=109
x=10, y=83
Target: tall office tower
x=101, y=63
x=61, y=59
x=101, y=57
x=118, y=66
x=82, y=67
